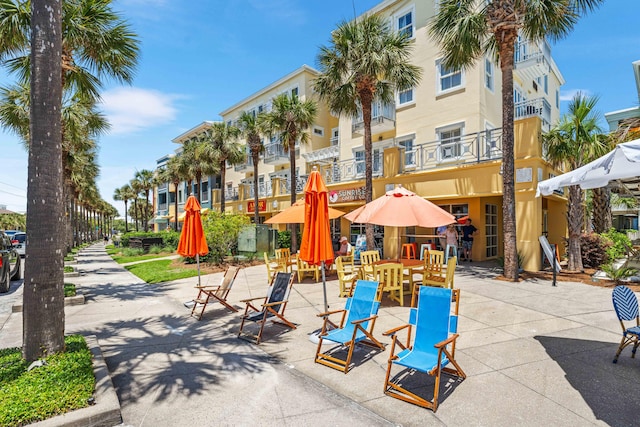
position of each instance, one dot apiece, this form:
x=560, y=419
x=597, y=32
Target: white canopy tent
x=623, y=163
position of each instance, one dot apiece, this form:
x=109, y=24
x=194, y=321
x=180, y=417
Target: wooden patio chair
x=305, y=268
x=358, y=320
x=625, y=303
x=272, y=307
x=217, y=293
x=429, y=347
x=435, y=280
x=346, y=279
x=391, y=277
x=283, y=258
x=272, y=268
x=367, y=258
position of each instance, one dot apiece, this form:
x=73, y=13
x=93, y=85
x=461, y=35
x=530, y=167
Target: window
x=405, y=23
x=405, y=97
x=204, y=191
x=294, y=91
x=546, y=84
x=450, y=138
x=448, y=78
x=488, y=74
x=557, y=98
x=409, y=151
x=162, y=200
x=335, y=136
x=376, y=160
x=491, y=230
x=181, y=196
x=318, y=131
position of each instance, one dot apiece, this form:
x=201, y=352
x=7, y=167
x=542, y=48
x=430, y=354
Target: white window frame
x=318, y=131
x=204, y=192
x=409, y=155
x=180, y=195
x=411, y=27
x=440, y=77
x=450, y=149
x=409, y=102
x=489, y=74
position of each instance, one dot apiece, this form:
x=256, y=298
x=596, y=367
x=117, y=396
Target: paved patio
x=533, y=354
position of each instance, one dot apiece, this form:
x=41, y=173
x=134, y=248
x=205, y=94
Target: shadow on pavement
x=610, y=390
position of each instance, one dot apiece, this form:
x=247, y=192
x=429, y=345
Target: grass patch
x=68, y=269
x=69, y=290
x=160, y=271
x=65, y=383
x=69, y=258
x=122, y=259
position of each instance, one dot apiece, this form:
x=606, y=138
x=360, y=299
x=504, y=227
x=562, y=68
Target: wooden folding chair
x=358, y=319
x=430, y=349
x=218, y=293
x=346, y=278
x=391, y=277
x=435, y=280
x=272, y=307
x=305, y=268
x=367, y=258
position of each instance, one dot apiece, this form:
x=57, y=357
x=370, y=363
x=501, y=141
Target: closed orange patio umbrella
x=295, y=214
x=316, y=248
x=193, y=242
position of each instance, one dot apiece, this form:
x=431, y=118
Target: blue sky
x=199, y=57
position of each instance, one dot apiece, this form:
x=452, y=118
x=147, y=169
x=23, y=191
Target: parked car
x=10, y=233
x=9, y=263
x=19, y=242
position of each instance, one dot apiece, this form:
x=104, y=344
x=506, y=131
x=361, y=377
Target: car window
x=19, y=237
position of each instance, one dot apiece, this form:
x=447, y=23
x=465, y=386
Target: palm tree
x=222, y=141
x=467, y=30
x=575, y=141
x=289, y=119
x=44, y=279
x=145, y=178
x=172, y=173
x=198, y=160
x=250, y=131
x=136, y=186
x=366, y=62
x=127, y=193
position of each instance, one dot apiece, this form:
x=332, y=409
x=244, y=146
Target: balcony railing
x=246, y=166
x=383, y=118
x=532, y=60
x=352, y=169
x=285, y=184
x=274, y=154
x=231, y=194
x=539, y=107
x=264, y=189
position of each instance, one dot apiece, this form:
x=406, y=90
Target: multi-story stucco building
x=440, y=139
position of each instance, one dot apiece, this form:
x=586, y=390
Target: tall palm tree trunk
x=43, y=312
x=256, y=215
x=223, y=173
x=508, y=160
x=602, y=220
x=368, y=163
x=294, y=227
x=126, y=224
x=575, y=222
x=135, y=212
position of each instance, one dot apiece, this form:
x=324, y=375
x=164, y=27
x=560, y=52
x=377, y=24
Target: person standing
x=441, y=236
x=451, y=235
x=467, y=240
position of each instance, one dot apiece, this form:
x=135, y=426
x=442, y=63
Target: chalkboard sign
x=549, y=253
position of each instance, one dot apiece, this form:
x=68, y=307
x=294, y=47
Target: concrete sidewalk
x=533, y=354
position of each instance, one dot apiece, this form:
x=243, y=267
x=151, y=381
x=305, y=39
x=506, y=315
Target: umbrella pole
x=324, y=288
x=198, y=262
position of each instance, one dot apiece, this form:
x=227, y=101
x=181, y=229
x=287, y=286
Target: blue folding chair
x=434, y=344
x=625, y=303
x=358, y=319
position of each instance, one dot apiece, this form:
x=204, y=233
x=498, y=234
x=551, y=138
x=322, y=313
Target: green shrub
x=594, y=250
x=617, y=274
x=132, y=252
x=620, y=244
x=69, y=290
x=68, y=269
x=155, y=249
x=284, y=239
x=169, y=238
x=222, y=232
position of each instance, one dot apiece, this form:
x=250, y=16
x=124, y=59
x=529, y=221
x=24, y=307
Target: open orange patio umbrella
x=294, y=214
x=401, y=208
x=316, y=248
x=193, y=242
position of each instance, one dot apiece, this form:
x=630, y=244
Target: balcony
x=247, y=166
x=231, y=194
x=285, y=184
x=383, y=119
x=274, y=154
x=532, y=60
x=264, y=189
x=352, y=169
x=539, y=107
x=322, y=155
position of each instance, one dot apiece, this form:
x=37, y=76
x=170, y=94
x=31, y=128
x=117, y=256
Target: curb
x=106, y=411
x=75, y=300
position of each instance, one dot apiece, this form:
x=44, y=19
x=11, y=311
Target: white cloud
x=131, y=109
x=567, y=95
